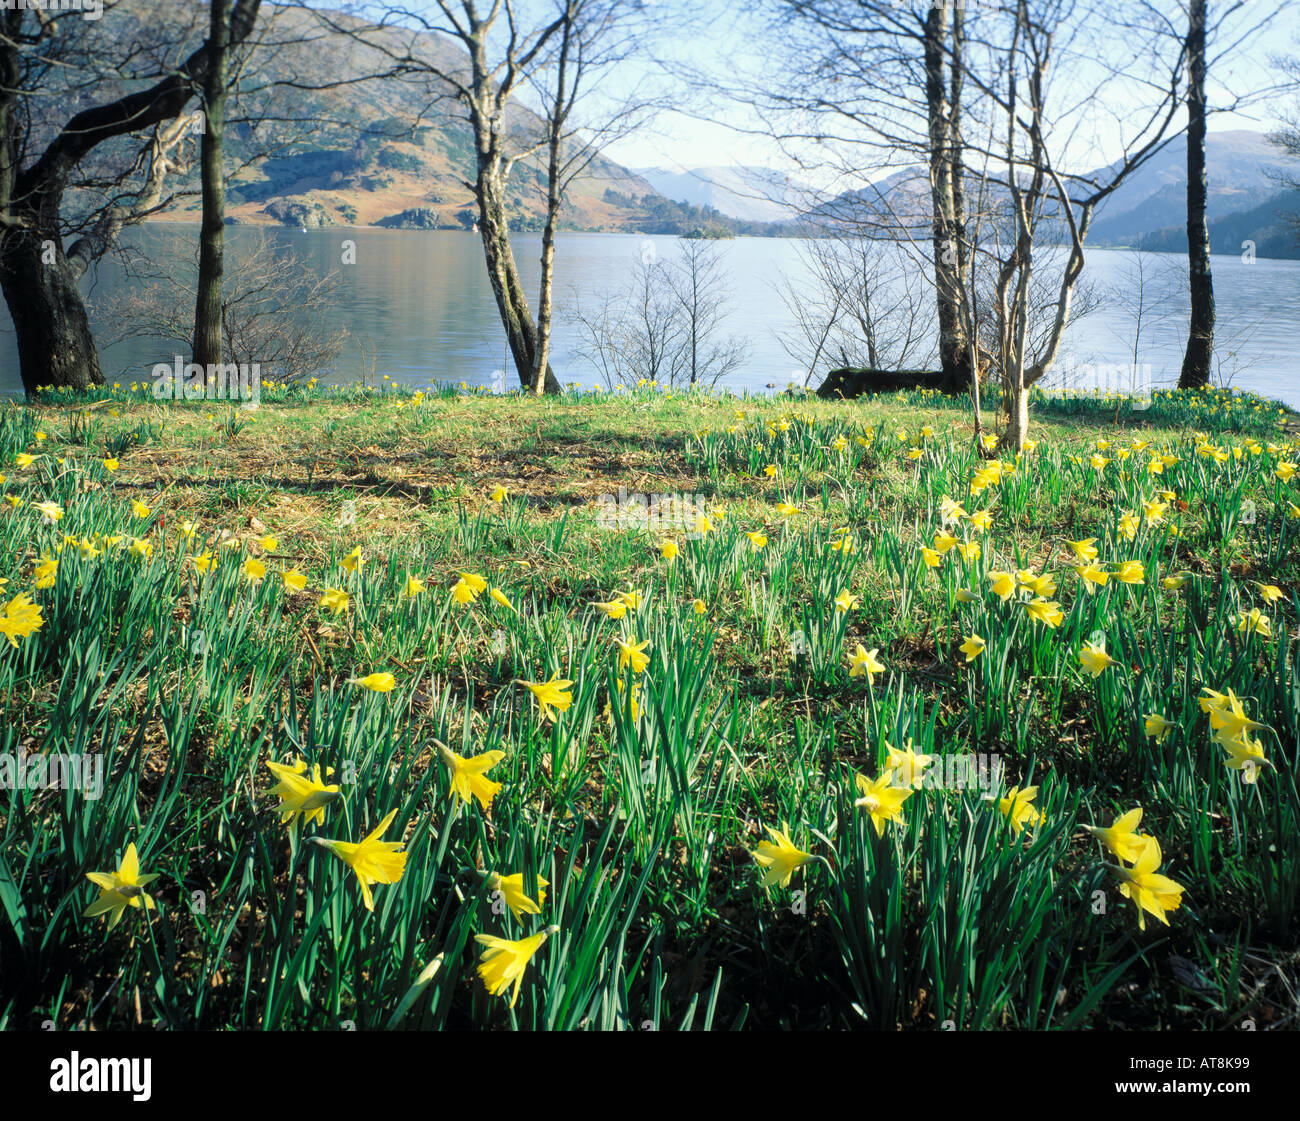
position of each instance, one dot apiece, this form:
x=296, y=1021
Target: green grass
x=641, y=803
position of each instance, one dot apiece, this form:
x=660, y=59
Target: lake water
x=421, y=304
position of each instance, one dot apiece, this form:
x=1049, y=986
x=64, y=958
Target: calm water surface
x=420, y=302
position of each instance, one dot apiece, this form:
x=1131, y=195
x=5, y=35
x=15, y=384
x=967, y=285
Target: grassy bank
x=221, y=589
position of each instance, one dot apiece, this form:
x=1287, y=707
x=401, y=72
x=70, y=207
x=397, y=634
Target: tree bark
x=1017, y=405
x=503, y=274
x=557, y=118
x=1200, y=336
x=51, y=327
x=207, y=302
x=948, y=252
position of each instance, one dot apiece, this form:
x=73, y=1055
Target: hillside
x=315, y=140
x=1248, y=199
x=1244, y=171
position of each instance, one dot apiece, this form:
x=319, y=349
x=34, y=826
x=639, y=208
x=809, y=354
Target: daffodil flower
x=552, y=694
x=374, y=861
x=881, y=799
x=1151, y=891
x=503, y=962
x=630, y=654
x=779, y=857
x=336, y=600
x=303, y=797
x=469, y=776
x=1121, y=837
x=121, y=889
x=1094, y=659
x=1017, y=807
x=863, y=661
x=516, y=897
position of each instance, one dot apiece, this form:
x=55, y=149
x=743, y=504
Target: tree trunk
x=55, y=344
x=542, y=362
x=556, y=121
x=1200, y=337
x=947, y=254
x=503, y=273
x=1017, y=404
x=207, y=303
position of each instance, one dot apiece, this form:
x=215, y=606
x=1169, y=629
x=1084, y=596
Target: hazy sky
x=730, y=41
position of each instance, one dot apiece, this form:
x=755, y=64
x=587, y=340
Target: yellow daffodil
x=1003, y=585
x=863, y=661
x=1016, y=807
x=881, y=799
x=552, y=694
x=1254, y=622
x=469, y=776
x=1121, y=837
x=516, y=895
x=779, y=857
x=1157, y=727
x=1047, y=612
x=1247, y=756
x=1130, y=572
x=121, y=889
x=633, y=655
x=374, y=861
x=45, y=573
x=336, y=600
x=503, y=962
x=905, y=766
x=303, y=797
x=1094, y=659
x=1151, y=891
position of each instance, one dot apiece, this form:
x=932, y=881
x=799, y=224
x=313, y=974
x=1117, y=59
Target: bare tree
x=1021, y=52
x=275, y=312
x=595, y=36
x=1200, y=333
x=857, y=302
x=872, y=83
x=501, y=52
x=207, y=304
x=696, y=280
x=665, y=326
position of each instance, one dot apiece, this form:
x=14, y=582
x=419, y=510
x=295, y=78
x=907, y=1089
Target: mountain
x=316, y=142
x=1249, y=199
x=1273, y=227
x=751, y=194
x=1244, y=173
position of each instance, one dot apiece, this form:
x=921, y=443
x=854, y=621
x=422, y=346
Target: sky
x=726, y=41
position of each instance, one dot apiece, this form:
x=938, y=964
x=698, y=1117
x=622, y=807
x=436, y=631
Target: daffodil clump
x=393, y=726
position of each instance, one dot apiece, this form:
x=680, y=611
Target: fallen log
x=850, y=382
